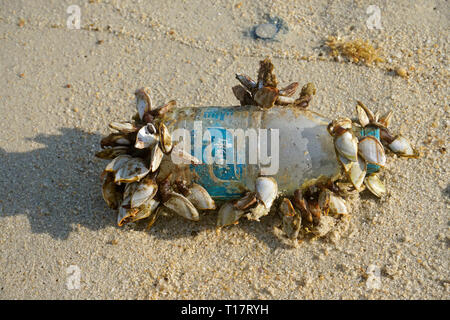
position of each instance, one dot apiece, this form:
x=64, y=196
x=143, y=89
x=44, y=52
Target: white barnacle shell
x=182, y=206
x=156, y=158
x=362, y=116
x=143, y=101
x=117, y=163
x=284, y=100
x=337, y=205
x=200, y=198
x=371, y=149
x=146, y=189
x=347, y=145
x=228, y=214
x=124, y=127
x=133, y=170
x=375, y=185
x=146, y=137
x=165, y=138
x=266, y=190
x=402, y=147
x=346, y=163
x=357, y=173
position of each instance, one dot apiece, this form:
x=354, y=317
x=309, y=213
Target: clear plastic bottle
x=292, y=145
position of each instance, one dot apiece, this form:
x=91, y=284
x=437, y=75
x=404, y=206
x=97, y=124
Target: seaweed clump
x=356, y=50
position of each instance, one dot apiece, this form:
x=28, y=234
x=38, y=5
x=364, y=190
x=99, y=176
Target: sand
x=60, y=88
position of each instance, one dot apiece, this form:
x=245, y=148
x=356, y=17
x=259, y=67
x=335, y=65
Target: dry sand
x=52, y=214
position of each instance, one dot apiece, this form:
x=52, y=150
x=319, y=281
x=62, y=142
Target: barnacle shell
x=125, y=212
x=110, y=192
x=346, y=163
x=124, y=127
x=200, y=198
x=266, y=190
x=182, y=206
x=165, y=138
x=385, y=120
x=402, y=147
x=371, y=149
x=156, y=158
x=228, y=214
x=145, y=210
x=362, y=116
x=143, y=101
x=284, y=100
x=300, y=203
x=357, y=173
x=133, y=170
x=290, y=90
x=146, y=189
x=375, y=185
x=246, y=81
x=286, y=208
x=117, y=163
x=291, y=219
x=111, y=153
x=165, y=108
x=369, y=113
x=266, y=97
x=115, y=139
x=337, y=205
x=242, y=95
x=347, y=145
x=146, y=137
x=246, y=201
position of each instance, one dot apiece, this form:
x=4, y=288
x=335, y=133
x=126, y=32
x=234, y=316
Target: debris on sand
x=355, y=50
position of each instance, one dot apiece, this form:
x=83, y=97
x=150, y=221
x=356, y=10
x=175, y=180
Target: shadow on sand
x=58, y=187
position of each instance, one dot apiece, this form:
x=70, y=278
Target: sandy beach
x=60, y=87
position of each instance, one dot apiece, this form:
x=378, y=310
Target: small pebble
x=401, y=72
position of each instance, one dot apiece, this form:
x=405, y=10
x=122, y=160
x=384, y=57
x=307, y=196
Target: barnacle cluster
x=132, y=185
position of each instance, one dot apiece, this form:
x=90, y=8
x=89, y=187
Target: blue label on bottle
x=217, y=176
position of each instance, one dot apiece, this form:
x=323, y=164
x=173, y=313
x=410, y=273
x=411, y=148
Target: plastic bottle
x=296, y=139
